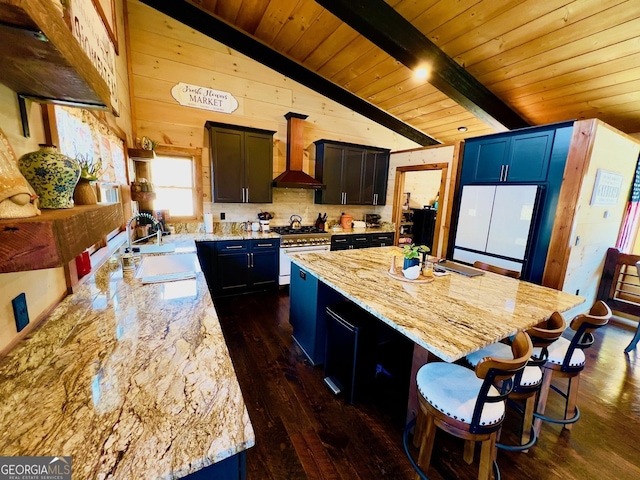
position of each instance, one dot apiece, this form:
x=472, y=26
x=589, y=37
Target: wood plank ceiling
x=549, y=61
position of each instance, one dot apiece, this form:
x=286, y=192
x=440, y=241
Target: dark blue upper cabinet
x=529, y=157
x=511, y=157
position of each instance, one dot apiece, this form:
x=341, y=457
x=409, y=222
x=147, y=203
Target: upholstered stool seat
x=558, y=352
x=469, y=404
x=454, y=391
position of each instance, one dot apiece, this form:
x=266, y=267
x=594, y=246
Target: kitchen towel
x=208, y=222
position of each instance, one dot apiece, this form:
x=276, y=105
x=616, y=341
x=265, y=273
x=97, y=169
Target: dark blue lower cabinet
x=232, y=468
x=308, y=300
x=239, y=266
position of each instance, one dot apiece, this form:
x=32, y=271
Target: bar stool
x=527, y=383
x=499, y=270
x=468, y=404
x=566, y=359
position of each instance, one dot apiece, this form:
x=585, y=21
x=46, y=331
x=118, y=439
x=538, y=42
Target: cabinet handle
x=375, y=199
x=233, y=246
x=501, y=172
x=248, y=261
x=247, y=189
x=265, y=245
x=345, y=198
x=506, y=172
x=252, y=260
x=339, y=240
x=242, y=194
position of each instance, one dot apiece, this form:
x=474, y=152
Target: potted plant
x=84, y=193
x=412, y=254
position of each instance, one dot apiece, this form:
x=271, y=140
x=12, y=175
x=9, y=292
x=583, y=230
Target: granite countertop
x=385, y=228
x=131, y=380
x=451, y=316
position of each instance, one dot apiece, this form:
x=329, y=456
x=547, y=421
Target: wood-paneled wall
x=45, y=288
x=165, y=52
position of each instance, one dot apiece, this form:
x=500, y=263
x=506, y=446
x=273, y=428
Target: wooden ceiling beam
x=216, y=28
x=386, y=28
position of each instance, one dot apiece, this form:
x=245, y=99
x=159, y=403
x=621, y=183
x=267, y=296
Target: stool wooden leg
x=426, y=444
x=572, y=399
x=486, y=458
x=547, y=375
x=469, y=448
x=527, y=420
x=418, y=430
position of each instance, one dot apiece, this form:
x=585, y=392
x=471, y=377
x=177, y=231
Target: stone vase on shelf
x=85, y=193
x=52, y=175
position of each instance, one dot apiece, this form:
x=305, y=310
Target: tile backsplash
x=287, y=202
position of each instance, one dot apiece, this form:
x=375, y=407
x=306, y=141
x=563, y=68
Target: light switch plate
x=20, y=312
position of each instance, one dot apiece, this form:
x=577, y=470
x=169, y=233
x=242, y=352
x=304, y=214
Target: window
x=175, y=174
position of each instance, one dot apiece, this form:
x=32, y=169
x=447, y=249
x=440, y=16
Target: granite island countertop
x=133, y=381
x=451, y=316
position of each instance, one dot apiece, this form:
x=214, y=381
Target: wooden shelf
x=143, y=196
x=43, y=60
x=141, y=155
x=56, y=237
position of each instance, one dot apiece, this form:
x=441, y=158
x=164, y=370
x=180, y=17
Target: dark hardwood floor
x=303, y=431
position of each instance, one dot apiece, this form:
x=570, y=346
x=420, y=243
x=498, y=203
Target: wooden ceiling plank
x=496, y=35
x=302, y=17
x=375, y=74
x=424, y=102
x=610, y=59
x=377, y=21
x=616, y=81
x=471, y=18
x=449, y=113
x=215, y=28
x=610, y=27
x=274, y=18
x=511, y=31
x=572, y=50
x=227, y=10
x=364, y=63
x=324, y=25
x=250, y=15
x=410, y=9
x=391, y=80
x=409, y=95
x=441, y=13
x=342, y=56
x=342, y=38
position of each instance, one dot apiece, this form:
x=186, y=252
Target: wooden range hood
x=293, y=176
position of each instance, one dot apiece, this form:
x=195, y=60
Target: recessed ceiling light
x=462, y=129
x=421, y=73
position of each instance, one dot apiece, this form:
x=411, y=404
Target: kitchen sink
x=167, y=268
x=153, y=248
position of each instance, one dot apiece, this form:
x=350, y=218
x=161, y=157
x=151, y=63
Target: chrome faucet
x=155, y=222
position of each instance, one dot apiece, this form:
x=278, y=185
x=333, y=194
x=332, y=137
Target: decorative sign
x=606, y=189
x=204, y=98
x=94, y=39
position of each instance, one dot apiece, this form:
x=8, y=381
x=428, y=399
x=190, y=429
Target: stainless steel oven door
x=285, y=261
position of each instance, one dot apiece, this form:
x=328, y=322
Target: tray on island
x=399, y=276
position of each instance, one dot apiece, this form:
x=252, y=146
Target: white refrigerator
x=494, y=224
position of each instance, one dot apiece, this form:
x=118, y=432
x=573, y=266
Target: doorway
x=419, y=187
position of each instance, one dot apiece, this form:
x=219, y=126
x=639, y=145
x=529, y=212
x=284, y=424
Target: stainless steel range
x=305, y=239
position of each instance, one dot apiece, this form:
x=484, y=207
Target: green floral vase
x=52, y=175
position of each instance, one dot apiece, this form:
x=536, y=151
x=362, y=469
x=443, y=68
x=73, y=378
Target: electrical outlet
x=222, y=216
x=20, y=312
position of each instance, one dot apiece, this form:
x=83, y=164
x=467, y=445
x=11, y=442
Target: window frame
x=196, y=158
